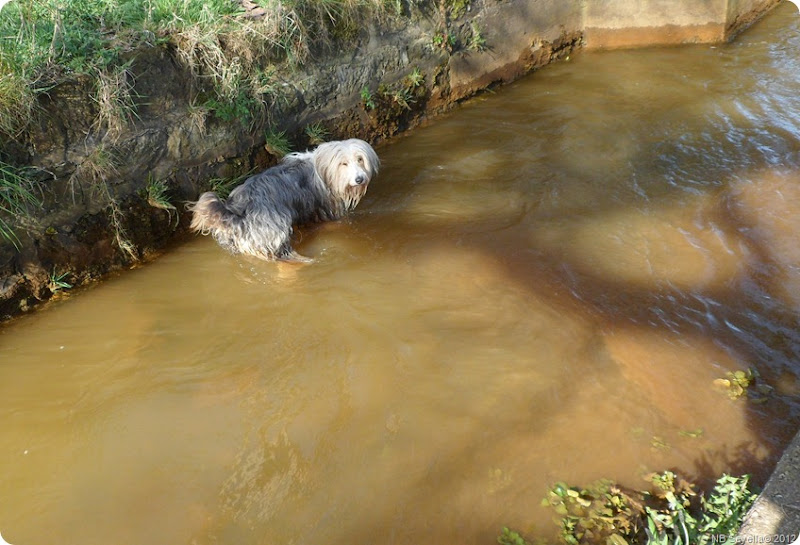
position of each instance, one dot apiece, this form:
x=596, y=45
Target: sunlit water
x=541, y=286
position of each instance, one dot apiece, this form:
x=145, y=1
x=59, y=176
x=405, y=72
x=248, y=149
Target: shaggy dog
x=258, y=216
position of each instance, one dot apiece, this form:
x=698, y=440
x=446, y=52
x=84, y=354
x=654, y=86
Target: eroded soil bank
x=97, y=213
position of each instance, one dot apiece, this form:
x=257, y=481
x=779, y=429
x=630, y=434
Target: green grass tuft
x=58, y=282
x=367, y=99
x=157, y=193
x=223, y=186
x=477, y=42
x=277, y=143
x=317, y=134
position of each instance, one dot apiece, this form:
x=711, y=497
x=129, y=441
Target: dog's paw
x=294, y=257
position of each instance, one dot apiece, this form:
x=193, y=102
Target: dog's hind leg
x=288, y=254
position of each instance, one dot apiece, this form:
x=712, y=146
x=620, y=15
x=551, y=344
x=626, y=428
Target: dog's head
x=347, y=167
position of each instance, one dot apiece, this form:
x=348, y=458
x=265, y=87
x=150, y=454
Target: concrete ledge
x=775, y=516
x=624, y=38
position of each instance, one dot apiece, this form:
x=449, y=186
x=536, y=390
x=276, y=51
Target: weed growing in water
x=670, y=513
x=510, y=537
x=693, y=434
x=738, y=383
x=659, y=443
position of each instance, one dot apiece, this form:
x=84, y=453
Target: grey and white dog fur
x=258, y=216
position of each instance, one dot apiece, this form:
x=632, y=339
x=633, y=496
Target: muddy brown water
x=541, y=286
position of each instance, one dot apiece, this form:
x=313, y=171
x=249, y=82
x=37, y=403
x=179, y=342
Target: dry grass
x=91, y=176
x=221, y=43
x=17, y=103
x=18, y=196
x=114, y=95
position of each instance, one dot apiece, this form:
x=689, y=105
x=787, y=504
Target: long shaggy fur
x=258, y=216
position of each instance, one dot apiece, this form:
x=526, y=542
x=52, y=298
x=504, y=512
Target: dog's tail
x=211, y=216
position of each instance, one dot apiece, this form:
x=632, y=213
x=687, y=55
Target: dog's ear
x=372, y=157
x=325, y=158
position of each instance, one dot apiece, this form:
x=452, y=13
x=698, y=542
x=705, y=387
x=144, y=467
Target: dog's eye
x=344, y=164
x=360, y=160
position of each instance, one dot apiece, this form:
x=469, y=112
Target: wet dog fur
x=258, y=216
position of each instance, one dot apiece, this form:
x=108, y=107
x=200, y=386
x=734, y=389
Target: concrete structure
x=775, y=516
x=633, y=23
x=524, y=33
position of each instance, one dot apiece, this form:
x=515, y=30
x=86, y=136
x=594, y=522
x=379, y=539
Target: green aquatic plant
x=510, y=537
x=738, y=383
x=659, y=443
x=726, y=507
x=593, y=514
x=671, y=512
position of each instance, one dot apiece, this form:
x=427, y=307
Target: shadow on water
x=710, y=164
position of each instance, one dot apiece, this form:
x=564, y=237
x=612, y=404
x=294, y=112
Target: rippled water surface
x=541, y=286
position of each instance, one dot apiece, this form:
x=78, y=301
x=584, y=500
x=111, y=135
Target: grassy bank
x=232, y=48
x=230, y=45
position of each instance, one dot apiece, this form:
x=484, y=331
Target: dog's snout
x=360, y=179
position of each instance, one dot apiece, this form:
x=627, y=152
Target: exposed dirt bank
x=96, y=179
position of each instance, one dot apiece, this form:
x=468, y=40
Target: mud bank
x=98, y=214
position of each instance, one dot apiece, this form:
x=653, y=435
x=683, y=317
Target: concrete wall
x=634, y=23
x=525, y=34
